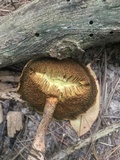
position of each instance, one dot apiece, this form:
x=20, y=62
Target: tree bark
x=58, y=28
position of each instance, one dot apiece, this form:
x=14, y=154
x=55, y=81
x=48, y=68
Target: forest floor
x=60, y=136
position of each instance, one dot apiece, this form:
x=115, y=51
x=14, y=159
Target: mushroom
x=62, y=89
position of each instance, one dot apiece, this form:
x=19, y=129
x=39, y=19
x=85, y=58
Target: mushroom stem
x=38, y=148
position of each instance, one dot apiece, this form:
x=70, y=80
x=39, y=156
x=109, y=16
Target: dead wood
x=14, y=122
x=58, y=29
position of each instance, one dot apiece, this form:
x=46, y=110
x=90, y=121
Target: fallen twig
x=101, y=133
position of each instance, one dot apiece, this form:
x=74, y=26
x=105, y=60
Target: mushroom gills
x=59, y=84
x=71, y=82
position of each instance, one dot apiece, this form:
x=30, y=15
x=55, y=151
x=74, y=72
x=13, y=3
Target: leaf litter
x=60, y=135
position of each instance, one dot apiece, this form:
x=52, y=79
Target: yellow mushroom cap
x=69, y=81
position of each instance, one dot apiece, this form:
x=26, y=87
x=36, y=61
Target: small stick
x=38, y=148
x=1, y=114
x=63, y=154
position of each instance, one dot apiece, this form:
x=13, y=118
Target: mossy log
x=58, y=28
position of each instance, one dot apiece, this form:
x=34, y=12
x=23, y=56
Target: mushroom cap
x=68, y=80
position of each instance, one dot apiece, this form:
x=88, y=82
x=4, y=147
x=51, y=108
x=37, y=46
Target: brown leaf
x=84, y=121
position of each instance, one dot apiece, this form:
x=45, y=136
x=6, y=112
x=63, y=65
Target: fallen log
x=62, y=28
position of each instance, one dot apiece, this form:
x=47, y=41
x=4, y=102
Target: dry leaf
x=84, y=121
x=5, y=86
x=10, y=93
x=7, y=76
x=14, y=123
